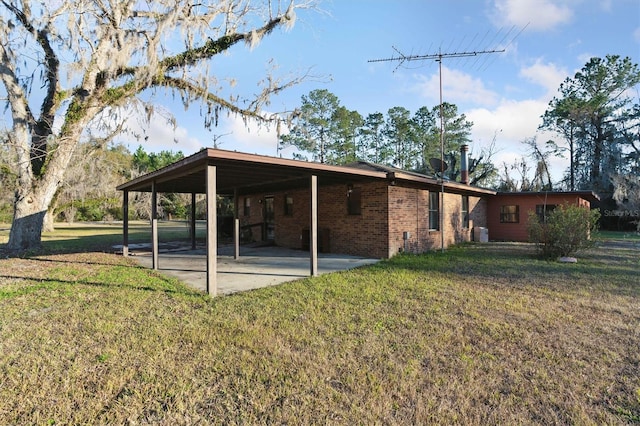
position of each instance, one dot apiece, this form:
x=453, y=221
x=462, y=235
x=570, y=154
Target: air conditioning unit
x=480, y=234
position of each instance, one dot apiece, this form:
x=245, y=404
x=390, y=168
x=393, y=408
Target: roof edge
x=586, y=194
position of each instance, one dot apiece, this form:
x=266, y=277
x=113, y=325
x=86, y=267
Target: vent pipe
x=464, y=167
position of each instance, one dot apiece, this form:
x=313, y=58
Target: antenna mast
x=438, y=57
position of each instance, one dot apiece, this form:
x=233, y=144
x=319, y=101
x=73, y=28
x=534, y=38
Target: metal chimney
x=464, y=167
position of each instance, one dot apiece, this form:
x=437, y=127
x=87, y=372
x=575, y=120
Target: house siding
x=526, y=203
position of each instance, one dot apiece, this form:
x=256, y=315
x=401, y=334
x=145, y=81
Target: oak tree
x=71, y=65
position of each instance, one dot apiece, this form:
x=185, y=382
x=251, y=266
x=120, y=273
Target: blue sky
x=504, y=94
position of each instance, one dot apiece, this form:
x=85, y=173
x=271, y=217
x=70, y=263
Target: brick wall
x=360, y=235
x=409, y=212
x=364, y=234
x=386, y=213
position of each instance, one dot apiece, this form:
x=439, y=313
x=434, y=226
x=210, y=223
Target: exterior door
x=269, y=220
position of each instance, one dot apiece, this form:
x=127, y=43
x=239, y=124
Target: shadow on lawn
x=171, y=288
x=130, y=270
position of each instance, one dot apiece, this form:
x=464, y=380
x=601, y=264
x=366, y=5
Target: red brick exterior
x=526, y=203
x=409, y=212
x=387, y=212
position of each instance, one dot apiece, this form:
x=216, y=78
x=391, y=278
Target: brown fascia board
x=303, y=166
x=450, y=186
x=186, y=165
x=590, y=196
x=213, y=156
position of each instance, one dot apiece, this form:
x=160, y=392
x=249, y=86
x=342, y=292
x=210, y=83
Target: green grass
x=480, y=334
x=103, y=236
x=618, y=236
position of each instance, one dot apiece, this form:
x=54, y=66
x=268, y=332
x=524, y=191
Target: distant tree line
x=88, y=192
x=325, y=131
x=597, y=115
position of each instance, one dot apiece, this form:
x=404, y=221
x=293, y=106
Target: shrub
x=566, y=230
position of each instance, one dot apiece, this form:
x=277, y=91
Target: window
x=434, y=211
x=247, y=206
x=288, y=205
x=465, y=212
x=354, y=198
x=509, y=214
x=543, y=210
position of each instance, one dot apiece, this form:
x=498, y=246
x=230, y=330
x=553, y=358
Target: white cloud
x=457, y=86
x=537, y=14
x=583, y=58
x=547, y=75
x=606, y=5
x=636, y=35
x=158, y=133
x=511, y=122
x=248, y=137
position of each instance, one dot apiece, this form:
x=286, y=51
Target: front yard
x=480, y=334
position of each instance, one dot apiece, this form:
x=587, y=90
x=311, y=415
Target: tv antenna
x=438, y=57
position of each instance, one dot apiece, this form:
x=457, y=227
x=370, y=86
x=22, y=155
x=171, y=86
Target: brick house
x=362, y=209
x=374, y=218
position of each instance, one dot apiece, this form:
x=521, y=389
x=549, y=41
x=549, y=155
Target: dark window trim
x=543, y=211
x=354, y=201
x=434, y=213
x=465, y=211
x=508, y=216
x=247, y=206
x=288, y=206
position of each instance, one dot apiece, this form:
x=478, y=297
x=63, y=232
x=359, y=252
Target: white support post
x=212, y=231
x=154, y=226
x=236, y=238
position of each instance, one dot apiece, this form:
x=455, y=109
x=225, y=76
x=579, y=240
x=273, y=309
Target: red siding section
x=526, y=203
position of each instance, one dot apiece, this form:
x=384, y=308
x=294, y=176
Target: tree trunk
x=28, y=217
x=48, y=221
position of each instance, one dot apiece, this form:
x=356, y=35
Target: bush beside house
x=563, y=231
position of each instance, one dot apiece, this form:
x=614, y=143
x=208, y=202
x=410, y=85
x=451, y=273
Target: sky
x=503, y=94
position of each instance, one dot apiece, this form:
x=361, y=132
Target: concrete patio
x=255, y=268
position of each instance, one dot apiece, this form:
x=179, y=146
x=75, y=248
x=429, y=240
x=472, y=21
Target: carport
x=214, y=171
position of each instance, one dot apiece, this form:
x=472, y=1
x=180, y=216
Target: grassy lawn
x=102, y=236
x=618, y=236
x=480, y=334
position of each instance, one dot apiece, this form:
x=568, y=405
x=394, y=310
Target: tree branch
x=214, y=47
x=207, y=96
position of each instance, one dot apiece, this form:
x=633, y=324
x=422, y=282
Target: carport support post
x=212, y=231
x=236, y=238
x=236, y=226
x=125, y=223
x=154, y=226
x=193, y=221
x=313, y=239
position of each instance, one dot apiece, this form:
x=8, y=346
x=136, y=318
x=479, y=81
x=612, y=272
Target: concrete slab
x=257, y=266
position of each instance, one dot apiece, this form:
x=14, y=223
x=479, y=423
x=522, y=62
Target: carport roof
x=250, y=173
